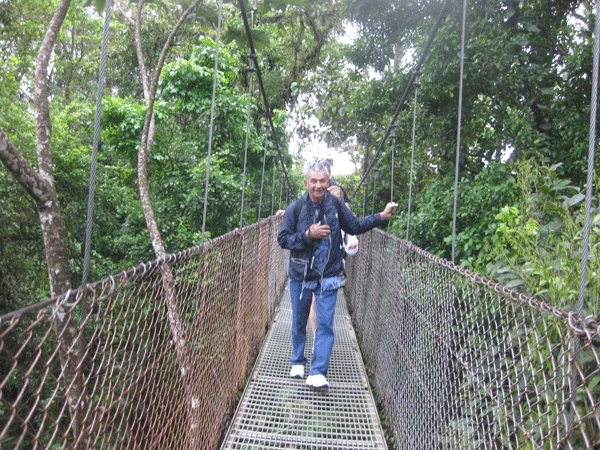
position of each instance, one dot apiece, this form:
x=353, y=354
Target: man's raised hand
x=390, y=209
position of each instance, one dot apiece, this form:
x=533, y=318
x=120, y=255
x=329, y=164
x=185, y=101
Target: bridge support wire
x=212, y=119
x=458, y=126
x=262, y=179
x=95, y=146
x=250, y=69
x=417, y=84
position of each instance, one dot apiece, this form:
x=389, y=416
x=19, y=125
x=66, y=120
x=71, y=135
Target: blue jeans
x=301, y=301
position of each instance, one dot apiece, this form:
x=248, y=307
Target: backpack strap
x=321, y=213
x=298, y=208
x=338, y=204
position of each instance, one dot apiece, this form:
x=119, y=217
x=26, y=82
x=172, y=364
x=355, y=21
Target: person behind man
x=346, y=199
x=311, y=230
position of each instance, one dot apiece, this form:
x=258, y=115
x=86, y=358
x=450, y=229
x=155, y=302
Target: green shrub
x=539, y=245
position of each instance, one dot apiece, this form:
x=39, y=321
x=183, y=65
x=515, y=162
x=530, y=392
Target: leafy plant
x=539, y=246
x=479, y=198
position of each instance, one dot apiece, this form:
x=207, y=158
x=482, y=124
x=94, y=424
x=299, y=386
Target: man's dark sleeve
x=351, y=225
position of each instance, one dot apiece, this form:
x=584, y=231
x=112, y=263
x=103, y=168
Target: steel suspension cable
x=417, y=69
x=412, y=154
x=273, y=186
x=269, y=113
x=374, y=188
x=262, y=179
x=251, y=70
x=587, y=220
x=590, y=166
x=212, y=118
x=458, y=127
x=394, y=138
x=95, y=145
x=280, y=190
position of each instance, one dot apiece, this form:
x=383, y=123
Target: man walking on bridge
x=311, y=231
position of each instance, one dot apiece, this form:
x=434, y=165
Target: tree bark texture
x=40, y=186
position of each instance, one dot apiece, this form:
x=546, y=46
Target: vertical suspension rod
x=95, y=146
x=262, y=180
x=458, y=129
x=212, y=118
x=250, y=69
x=412, y=155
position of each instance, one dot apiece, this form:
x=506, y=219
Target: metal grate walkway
x=279, y=412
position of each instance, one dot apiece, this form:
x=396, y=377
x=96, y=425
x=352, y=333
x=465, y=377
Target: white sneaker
x=297, y=371
x=317, y=381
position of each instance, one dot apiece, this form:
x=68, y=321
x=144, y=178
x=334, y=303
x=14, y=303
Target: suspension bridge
x=191, y=351
x=455, y=360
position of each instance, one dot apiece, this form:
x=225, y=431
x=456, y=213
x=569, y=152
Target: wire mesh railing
x=460, y=362
x=159, y=359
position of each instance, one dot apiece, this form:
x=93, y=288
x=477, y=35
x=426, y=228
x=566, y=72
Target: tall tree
x=148, y=134
x=40, y=185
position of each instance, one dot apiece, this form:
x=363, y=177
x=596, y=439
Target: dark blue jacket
x=292, y=236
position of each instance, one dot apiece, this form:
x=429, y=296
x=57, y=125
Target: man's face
x=317, y=184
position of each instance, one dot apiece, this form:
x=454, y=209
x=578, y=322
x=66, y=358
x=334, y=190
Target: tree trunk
x=55, y=241
x=174, y=314
x=53, y=231
x=40, y=186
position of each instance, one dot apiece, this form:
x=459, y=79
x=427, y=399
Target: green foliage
x=98, y=4
x=521, y=96
x=539, y=249
x=260, y=39
x=186, y=79
x=122, y=122
x=177, y=163
x=298, y=32
x=525, y=232
x=178, y=160
x=23, y=275
x=385, y=26
x=119, y=235
x=479, y=199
